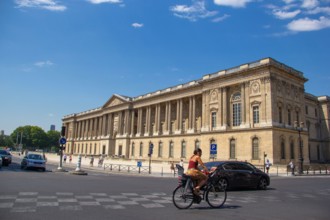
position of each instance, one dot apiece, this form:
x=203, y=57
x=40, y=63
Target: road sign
x=62, y=141
x=139, y=164
x=213, y=149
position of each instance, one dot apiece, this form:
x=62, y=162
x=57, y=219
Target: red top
x=192, y=164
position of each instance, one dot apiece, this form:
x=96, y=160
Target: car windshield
x=35, y=157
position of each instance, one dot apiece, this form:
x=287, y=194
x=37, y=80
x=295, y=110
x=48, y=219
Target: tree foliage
x=34, y=137
x=6, y=141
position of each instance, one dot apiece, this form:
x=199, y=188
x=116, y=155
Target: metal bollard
x=79, y=163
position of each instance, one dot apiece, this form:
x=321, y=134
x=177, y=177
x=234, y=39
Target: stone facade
x=247, y=111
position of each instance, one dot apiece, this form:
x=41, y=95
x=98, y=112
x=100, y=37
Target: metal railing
x=126, y=168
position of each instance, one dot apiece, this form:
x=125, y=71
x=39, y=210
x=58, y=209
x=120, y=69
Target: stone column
x=110, y=125
x=206, y=111
x=157, y=120
x=243, y=105
x=132, y=134
x=225, y=110
x=192, y=114
x=178, y=116
x=139, y=122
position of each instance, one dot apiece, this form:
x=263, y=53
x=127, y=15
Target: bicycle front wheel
x=216, y=196
x=183, y=199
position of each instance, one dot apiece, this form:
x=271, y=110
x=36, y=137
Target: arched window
x=255, y=148
x=160, y=149
x=171, y=150
x=197, y=144
x=141, y=150
x=289, y=117
x=236, y=99
x=255, y=114
x=291, y=150
x=280, y=115
x=214, y=120
x=232, y=149
x=282, y=149
x=133, y=149
x=183, y=149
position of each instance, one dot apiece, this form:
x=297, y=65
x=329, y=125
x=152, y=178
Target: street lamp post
x=300, y=128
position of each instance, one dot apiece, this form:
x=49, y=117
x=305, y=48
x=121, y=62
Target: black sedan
x=6, y=157
x=235, y=174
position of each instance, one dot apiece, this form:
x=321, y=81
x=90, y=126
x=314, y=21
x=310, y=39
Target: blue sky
x=59, y=57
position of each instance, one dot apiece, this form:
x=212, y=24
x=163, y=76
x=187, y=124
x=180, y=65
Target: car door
x=249, y=175
x=232, y=174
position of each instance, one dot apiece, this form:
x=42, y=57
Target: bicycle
x=183, y=196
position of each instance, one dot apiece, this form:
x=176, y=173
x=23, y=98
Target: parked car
x=0, y=162
x=6, y=157
x=33, y=160
x=235, y=174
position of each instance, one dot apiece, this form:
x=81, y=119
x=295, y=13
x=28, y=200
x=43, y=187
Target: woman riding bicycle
x=194, y=172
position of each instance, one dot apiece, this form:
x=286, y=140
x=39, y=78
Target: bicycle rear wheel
x=183, y=199
x=216, y=196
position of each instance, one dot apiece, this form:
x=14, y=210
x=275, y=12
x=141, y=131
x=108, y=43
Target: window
x=236, y=114
x=214, y=119
x=160, y=149
x=237, y=109
x=183, y=149
x=282, y=149
x=197, y=145
x=255, y=149
x=255, y=114
x=315, y=112
x=297, y=116
x=291, y=150
x=318, y=152
x=133, y=149
x=289, y=117
x=141, y=150
x=306, y=109
x=171, y=149
x=232, y=149
x=280, y=115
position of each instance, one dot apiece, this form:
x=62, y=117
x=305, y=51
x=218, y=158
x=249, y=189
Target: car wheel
x=223, y=184
x=262, y=184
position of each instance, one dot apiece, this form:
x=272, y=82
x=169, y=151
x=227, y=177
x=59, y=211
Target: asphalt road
x=30, y=194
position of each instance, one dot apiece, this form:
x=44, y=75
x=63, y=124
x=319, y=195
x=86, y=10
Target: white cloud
x=50, y=5
x=105, y=1
x=285, y=14
x=222, y=18
x=194, y=12
x=307, y=24
x=137, y=25
x=318, y=10
x=44, y=63
x=310, y=4
x=232, y=3
x=288, y=1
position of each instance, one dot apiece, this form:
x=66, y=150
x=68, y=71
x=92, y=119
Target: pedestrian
x=181, y=163
x=268, y=164
x=92, y=161
x=100, y=163
x=172, y=166
x=64, y=158
x=70, y=158
x=291, y=164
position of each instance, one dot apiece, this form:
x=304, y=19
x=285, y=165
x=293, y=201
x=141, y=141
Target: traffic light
x=63, y=131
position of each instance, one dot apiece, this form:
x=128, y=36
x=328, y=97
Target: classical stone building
x=247, y=111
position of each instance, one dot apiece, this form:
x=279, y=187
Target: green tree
x=6, y=141
x=53, y=138
x=32, y=137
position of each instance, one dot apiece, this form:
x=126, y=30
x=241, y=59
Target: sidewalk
x=157, y=169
